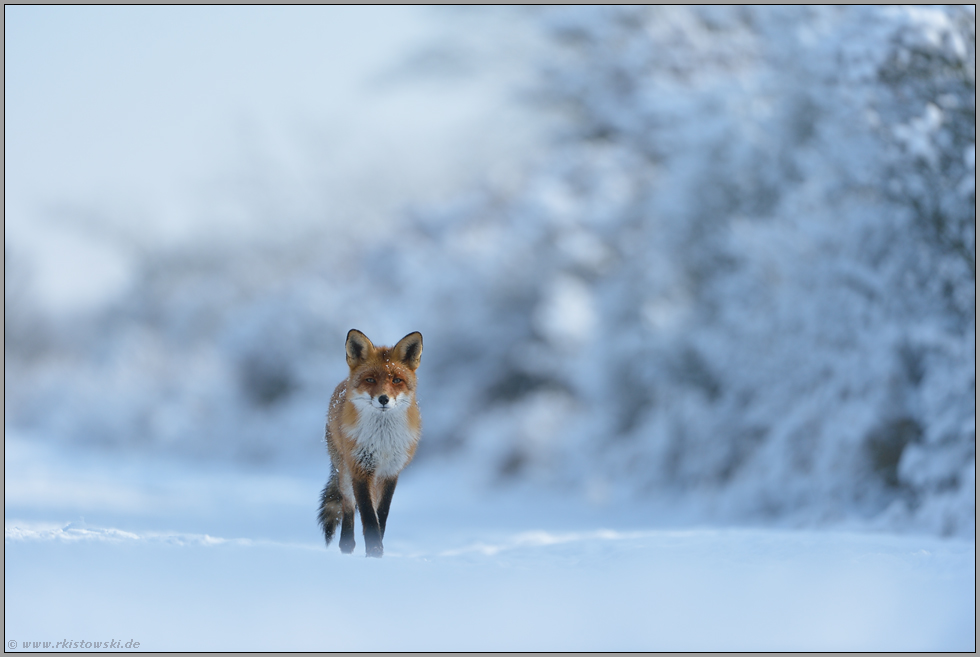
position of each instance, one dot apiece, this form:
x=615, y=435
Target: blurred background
x=715, y=254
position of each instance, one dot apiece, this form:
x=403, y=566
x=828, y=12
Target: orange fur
x=373, y=430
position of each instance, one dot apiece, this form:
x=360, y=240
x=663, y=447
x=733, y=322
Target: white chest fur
x=384, y=439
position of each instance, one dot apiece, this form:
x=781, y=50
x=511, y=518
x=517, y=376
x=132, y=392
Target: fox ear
x=358, y=348
x=409, y=350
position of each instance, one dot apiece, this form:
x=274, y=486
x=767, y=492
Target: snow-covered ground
x=106, y=548
x=699, y=320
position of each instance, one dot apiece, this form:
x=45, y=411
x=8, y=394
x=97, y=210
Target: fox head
x=382, y=378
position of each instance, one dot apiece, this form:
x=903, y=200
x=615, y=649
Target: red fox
x=373, y=428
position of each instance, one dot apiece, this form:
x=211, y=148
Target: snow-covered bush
x=747, y=271
x=744, y=274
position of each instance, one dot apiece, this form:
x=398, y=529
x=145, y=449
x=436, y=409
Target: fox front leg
x=384, y=504
x=369, y=518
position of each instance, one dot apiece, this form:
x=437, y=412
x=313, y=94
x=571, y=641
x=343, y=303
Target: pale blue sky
x=161, y=121
x=117, y=96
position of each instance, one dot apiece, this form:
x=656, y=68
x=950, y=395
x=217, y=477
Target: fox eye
x=369, y=379
x=396, y=380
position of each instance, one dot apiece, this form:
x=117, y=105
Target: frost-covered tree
x=743, y=274
x=746, y=271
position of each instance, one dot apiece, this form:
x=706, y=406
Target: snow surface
x=728, y=301
x=104, y=548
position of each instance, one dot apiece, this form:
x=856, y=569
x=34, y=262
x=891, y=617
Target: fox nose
x=383, y=399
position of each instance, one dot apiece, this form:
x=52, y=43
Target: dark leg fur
x=347, y=532
x=387, y=491
x=369, y=519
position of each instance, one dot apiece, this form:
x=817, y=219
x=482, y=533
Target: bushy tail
x=331, y=508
